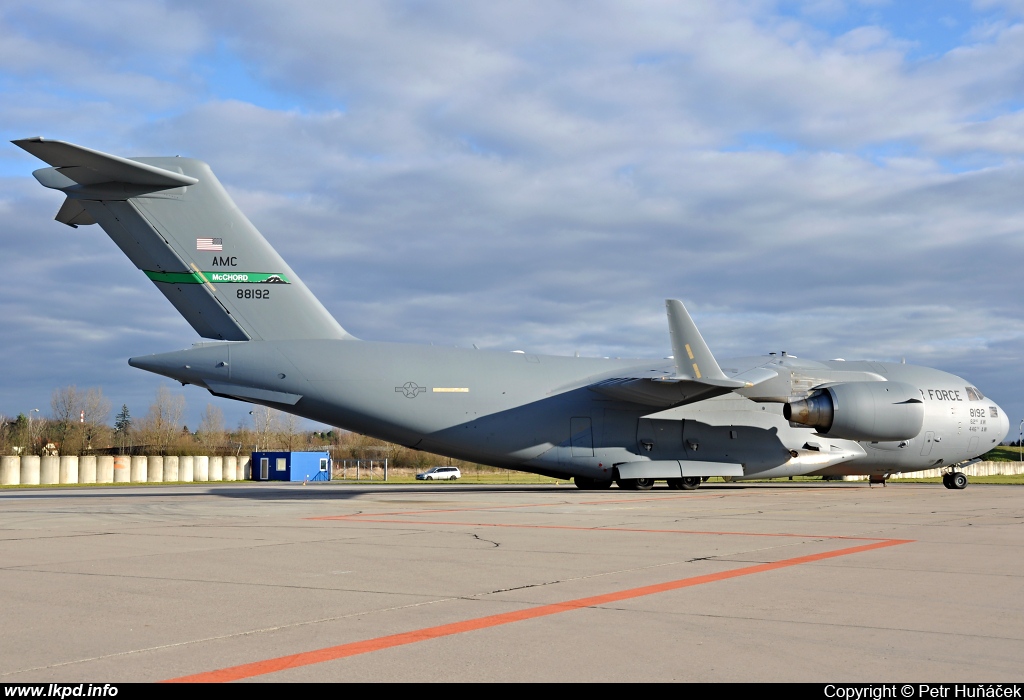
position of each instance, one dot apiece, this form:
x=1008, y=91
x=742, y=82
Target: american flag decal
x=209, y=244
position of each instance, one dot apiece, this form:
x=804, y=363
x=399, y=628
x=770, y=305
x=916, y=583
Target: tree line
x=82, y=422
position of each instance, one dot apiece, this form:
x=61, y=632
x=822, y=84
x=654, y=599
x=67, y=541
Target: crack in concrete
x=518, y=588
x=848, y=625
x=243, y=633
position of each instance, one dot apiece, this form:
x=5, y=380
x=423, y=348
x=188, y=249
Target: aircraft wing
x=668, y=392
x=697, y=376
x=656, y=393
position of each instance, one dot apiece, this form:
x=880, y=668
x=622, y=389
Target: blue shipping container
x=291, y=466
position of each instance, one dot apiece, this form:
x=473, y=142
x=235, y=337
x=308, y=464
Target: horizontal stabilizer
x=84, y=166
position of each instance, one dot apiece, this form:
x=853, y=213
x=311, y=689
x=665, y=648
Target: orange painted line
x=308, y=658
x=620, y=529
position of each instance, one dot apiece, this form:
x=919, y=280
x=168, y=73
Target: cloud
x=542, y=176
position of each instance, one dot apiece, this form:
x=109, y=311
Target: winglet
x=693, y=358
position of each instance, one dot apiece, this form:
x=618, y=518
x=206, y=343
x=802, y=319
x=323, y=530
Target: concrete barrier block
x=49, y=470
x=155, y=469
x=230, y=468
x=105, y=469
x=10, y=470
x=186, y=468
x=122, y=469
x=87, y=469
x=68, y=469
x=29, y=469
x=201, y=468
x=171, y=469
x=243, y=467
x=137, y=475
x=216, y=469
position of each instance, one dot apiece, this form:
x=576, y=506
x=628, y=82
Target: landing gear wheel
x=691, y=482
x=636, y=484
x=958, y=480
x=675, y=483
x=946, y=482
x=584, y=483
x=587, y=484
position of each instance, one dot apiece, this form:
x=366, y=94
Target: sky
x=832, y=178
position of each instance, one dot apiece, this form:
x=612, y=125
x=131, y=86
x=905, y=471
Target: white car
x=440, y=474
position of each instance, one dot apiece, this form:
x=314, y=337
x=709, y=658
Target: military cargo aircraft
x=599, y=421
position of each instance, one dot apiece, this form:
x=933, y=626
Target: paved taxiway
x=456, y=582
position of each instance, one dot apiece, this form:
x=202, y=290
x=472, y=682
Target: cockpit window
x=973, y=394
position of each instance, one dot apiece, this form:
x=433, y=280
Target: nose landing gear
x=954, y=480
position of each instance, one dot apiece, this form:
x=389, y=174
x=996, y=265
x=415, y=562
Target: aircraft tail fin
x=176, y=223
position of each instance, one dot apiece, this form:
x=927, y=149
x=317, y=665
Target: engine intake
x=876, y=411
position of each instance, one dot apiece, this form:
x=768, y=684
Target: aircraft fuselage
x=538, y=413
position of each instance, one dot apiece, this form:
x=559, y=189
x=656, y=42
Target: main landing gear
x=687, y=483
x=636, y=484
x=586, y=484
x=954, y=480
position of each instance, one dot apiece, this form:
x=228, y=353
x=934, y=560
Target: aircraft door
x=929, y=439
x=582, y=436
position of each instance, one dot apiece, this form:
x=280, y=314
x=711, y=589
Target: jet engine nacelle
x=873, y=411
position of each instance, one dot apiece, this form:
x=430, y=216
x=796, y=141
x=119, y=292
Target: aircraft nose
x=1004, y=424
